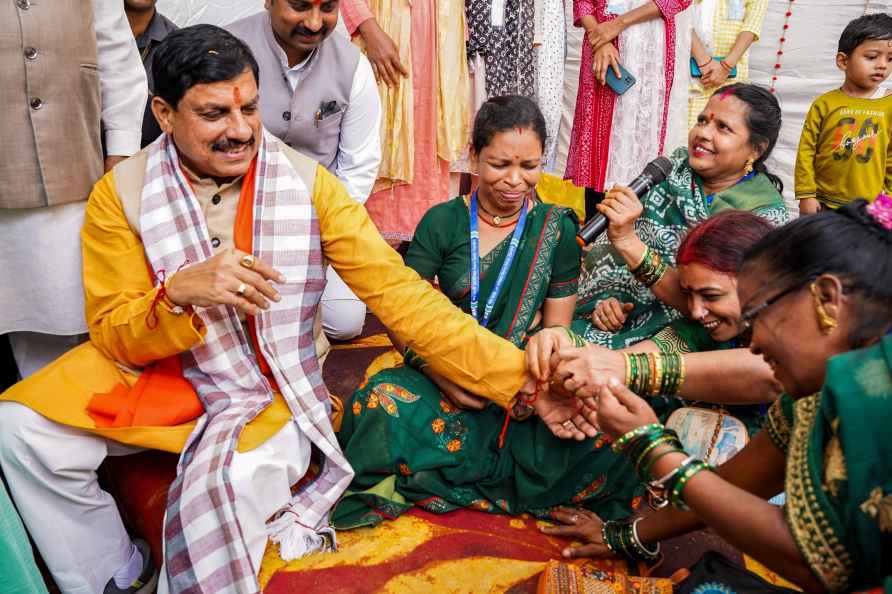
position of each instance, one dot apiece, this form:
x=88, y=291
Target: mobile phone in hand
x=623, y=83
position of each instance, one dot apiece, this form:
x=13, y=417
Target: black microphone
x=655, y=172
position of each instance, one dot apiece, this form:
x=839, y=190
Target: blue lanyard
x=503, y=271
x=711, y=197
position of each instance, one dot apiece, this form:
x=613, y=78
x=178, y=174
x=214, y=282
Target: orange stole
x=162, y=397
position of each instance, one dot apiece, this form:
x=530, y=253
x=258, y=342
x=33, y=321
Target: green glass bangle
x=620, y=537
x=675, y=494
x=649, y=464
x=639, y=447
x=620, y=445
x=640, y=372
x=670, y=372
x=641, y=457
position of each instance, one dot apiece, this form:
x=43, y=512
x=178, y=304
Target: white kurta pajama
x=41, y=260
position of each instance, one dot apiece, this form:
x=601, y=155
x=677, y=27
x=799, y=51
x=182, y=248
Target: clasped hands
x=591, y=373
x=231, y=277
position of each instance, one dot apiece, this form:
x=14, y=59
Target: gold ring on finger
x=247, y=261
x=574, y=518
x=568, y=425
x=242, y=288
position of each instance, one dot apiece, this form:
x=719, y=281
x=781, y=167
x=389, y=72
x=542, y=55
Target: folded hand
x=226, y=280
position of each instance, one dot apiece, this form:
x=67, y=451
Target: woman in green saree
x=817, y=297
x=411, y=435
x=723, y=167
x=720, y=372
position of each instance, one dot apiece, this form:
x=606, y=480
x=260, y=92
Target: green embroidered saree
x=670, y=210
x=839, y=470
x=410, y=446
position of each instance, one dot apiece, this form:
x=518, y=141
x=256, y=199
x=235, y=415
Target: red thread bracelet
x=161, y=279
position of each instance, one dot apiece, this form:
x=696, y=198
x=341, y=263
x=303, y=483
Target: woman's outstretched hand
x=567, y=418
x=541, y=351
x=620, y=410
x=584, y=371
x=579, y=524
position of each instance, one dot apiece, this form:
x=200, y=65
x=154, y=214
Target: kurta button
x=23, y=4
x=31, y=53
x=286, y=115
x=36, y=103
x=215, y=242
x=216, y=199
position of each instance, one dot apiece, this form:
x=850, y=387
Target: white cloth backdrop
x=808, y=66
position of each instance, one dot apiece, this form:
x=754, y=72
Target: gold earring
x=748, y=168
x=826, y=323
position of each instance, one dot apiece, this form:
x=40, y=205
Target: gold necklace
x=497, y=219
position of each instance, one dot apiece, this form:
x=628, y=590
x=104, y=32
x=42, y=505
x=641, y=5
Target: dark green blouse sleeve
x=426, y=254
x=567, y=260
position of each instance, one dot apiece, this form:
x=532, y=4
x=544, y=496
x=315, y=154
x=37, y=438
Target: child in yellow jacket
x=844, y=150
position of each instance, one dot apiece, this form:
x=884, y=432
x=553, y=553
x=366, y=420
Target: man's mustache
x=303, y=31
x=229, y=144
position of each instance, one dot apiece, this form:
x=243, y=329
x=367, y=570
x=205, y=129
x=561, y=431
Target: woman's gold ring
x=241, y=290
x=568, y=425
x=574, y=518
x=247, y=261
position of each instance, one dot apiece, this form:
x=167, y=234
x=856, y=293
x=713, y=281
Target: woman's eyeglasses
x=748, y=318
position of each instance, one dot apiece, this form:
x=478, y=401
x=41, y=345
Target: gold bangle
x=657, y=377
x=628, y=369
x=641, y=261
x=680, y=381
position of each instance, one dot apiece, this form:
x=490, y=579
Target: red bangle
x=726, y=66
x=703, y=65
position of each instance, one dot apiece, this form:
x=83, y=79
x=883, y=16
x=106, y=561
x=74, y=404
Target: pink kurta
x=589, y=153
x=397, y=210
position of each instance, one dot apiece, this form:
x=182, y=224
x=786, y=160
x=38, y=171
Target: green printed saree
x=670, y=209
x=839, y=470
x=410, y=446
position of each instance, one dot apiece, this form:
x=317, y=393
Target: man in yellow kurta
x=204, y=252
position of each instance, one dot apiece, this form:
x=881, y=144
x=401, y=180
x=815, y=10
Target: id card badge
x=497, y=14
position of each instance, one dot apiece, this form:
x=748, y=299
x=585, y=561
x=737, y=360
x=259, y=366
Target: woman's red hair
x=720, y=241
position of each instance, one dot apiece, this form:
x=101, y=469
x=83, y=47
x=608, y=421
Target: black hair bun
x=856, y=210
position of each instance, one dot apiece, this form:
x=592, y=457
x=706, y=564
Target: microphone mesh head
x=659, y=169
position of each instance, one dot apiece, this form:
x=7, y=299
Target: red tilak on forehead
x=519, y=130
x=725, y=94
x=237, y=96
